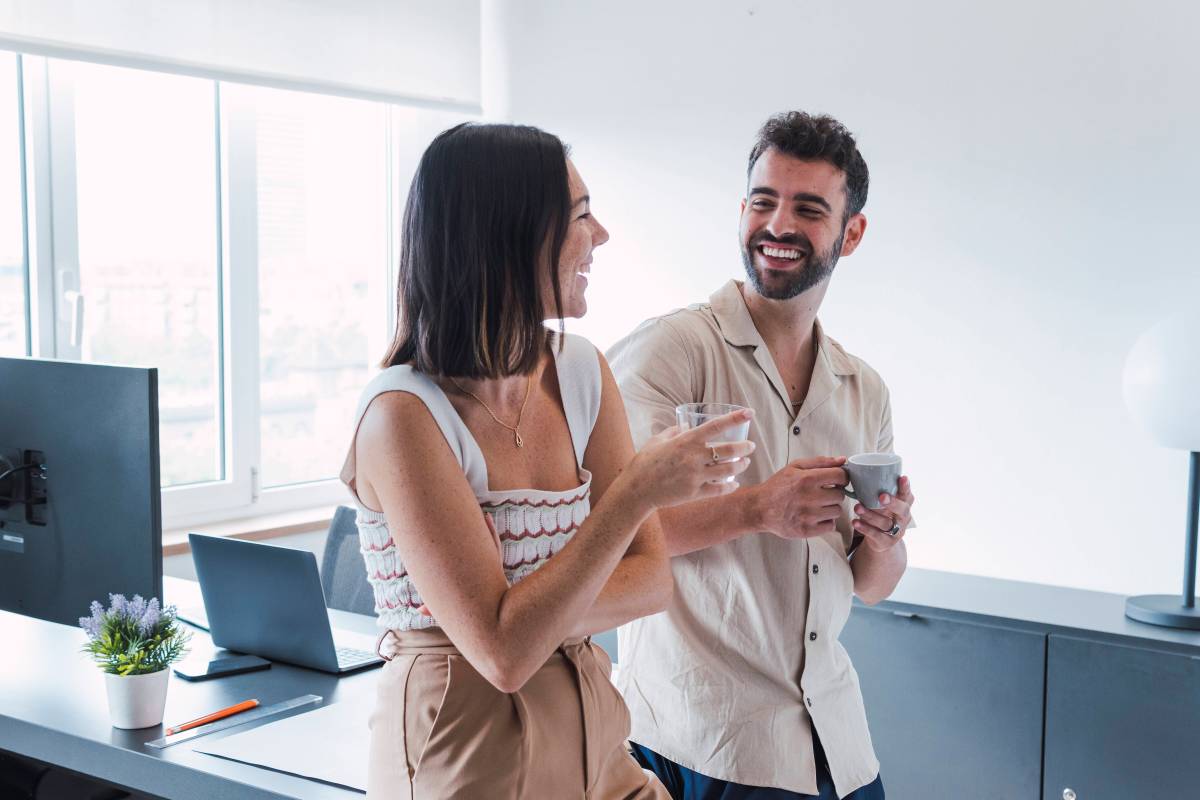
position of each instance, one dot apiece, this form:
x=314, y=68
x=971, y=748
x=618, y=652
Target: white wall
x=383, y=48
x=1032, y=210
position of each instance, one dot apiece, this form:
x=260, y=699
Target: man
x=741, y=689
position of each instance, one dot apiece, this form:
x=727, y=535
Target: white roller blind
x=422, y=50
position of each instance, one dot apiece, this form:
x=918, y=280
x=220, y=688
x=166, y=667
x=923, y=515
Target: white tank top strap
x=581, y=387
x=406, y=379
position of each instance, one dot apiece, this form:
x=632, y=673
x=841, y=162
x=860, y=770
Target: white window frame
x=57, y=309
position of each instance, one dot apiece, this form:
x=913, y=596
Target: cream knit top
x=532, y=524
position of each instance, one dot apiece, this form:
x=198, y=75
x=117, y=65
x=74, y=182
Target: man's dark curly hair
x=820, y=138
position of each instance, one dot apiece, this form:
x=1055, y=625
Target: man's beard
x=817, y=268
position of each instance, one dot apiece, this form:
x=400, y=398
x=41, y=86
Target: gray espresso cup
x=872, y=474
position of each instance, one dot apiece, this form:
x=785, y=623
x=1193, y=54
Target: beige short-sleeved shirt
x=724, y=682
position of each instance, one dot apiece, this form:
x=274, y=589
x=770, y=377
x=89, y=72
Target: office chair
x=343, y=574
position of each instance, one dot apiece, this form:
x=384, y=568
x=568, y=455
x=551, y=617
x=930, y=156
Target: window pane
x=322, y=251
x=12, y=219
x=149, y=269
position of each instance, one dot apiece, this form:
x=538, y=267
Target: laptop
x=267, y=600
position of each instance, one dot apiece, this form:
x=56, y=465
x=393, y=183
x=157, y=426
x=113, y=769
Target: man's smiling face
x=792, y=228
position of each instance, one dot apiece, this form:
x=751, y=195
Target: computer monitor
x=80, y=505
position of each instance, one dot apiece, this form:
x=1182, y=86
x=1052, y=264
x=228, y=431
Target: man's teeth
x=775, y=252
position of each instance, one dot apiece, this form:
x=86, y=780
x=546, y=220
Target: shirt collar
x=737, y=326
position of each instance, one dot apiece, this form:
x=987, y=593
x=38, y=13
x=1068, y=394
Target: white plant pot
x=137, y=701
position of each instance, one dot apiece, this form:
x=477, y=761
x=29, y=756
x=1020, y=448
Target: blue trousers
x=684, y=784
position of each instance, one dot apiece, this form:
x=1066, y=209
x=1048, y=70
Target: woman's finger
x=714, y=428
x=727, y=451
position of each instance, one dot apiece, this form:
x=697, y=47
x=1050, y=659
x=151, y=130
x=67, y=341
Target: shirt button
x=795, y=430
x=812, y=637
x=816, y=569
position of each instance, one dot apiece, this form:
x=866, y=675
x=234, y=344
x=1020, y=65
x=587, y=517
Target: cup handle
x=849, y=493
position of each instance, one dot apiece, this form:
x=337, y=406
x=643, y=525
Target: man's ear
x=852, y=238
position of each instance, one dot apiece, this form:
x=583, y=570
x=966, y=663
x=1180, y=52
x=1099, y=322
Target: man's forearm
x=876, y=573
x=704, y=523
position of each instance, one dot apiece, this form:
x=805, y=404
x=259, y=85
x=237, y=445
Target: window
x=14, y=316
x=240, y=239
x=322, y=200
x=149, y=267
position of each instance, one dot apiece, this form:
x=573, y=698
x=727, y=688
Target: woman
x=503, y=514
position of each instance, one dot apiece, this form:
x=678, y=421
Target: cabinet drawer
x=1121, y=722
x=955, y=707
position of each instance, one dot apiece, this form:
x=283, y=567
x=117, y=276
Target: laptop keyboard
x=352, y=657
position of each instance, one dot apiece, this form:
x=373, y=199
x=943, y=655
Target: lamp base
x=1166, y=610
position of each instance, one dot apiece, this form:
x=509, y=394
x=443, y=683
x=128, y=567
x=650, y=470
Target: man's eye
x=760, y=204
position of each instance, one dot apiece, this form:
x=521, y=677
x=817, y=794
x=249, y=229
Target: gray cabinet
x=1121, y=722
x=955, y=707
x=983, y=688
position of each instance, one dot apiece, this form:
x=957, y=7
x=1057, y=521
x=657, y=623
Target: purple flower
x=137, y=608
x=117, y=604
x=91, y=625
x=150, y=617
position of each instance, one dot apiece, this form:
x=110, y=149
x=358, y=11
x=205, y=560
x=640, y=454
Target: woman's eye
x=585, y=215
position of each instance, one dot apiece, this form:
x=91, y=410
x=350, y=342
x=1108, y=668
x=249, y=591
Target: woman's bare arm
x=641, y=584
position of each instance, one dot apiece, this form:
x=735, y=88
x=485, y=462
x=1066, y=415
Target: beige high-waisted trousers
x=440, y=731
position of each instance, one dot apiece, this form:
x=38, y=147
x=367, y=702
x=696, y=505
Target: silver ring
x=895, y=529
x=716, y=459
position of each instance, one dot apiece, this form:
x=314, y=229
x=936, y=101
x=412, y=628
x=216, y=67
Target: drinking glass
x=693, y=415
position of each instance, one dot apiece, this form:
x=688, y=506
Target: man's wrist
x=752, y=511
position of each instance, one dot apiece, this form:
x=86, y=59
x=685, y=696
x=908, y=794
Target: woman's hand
x=677, y=466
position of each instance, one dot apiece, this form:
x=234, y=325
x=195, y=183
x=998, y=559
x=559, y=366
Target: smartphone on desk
x=220, y=665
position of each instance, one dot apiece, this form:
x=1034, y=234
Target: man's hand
x=875, y=524
x=802, y=500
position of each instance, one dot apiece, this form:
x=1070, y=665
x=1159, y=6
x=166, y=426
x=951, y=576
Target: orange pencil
x=245, y=705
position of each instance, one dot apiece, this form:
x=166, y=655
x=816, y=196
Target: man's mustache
x=795, y=240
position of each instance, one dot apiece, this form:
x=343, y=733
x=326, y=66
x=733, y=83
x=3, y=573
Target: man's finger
x=875, y=519
x=883, y=539
x=826, y=476
x=827, y=513
x=819, y=462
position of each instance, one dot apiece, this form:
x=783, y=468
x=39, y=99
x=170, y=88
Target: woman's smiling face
x=584, y=234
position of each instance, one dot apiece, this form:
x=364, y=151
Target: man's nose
x=782, y=223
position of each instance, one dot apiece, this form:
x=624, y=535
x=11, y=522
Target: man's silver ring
x=895, y=529
x=716, y=459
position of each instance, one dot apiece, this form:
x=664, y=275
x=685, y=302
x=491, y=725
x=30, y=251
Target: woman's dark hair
x=488, y=209
x=816, y=138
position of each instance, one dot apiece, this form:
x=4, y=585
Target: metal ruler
x=237, y=719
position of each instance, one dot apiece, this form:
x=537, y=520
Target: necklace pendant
x=517, y=436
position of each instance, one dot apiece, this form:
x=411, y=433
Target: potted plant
x=134, y=642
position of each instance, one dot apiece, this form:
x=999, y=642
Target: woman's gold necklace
x=515, y=429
